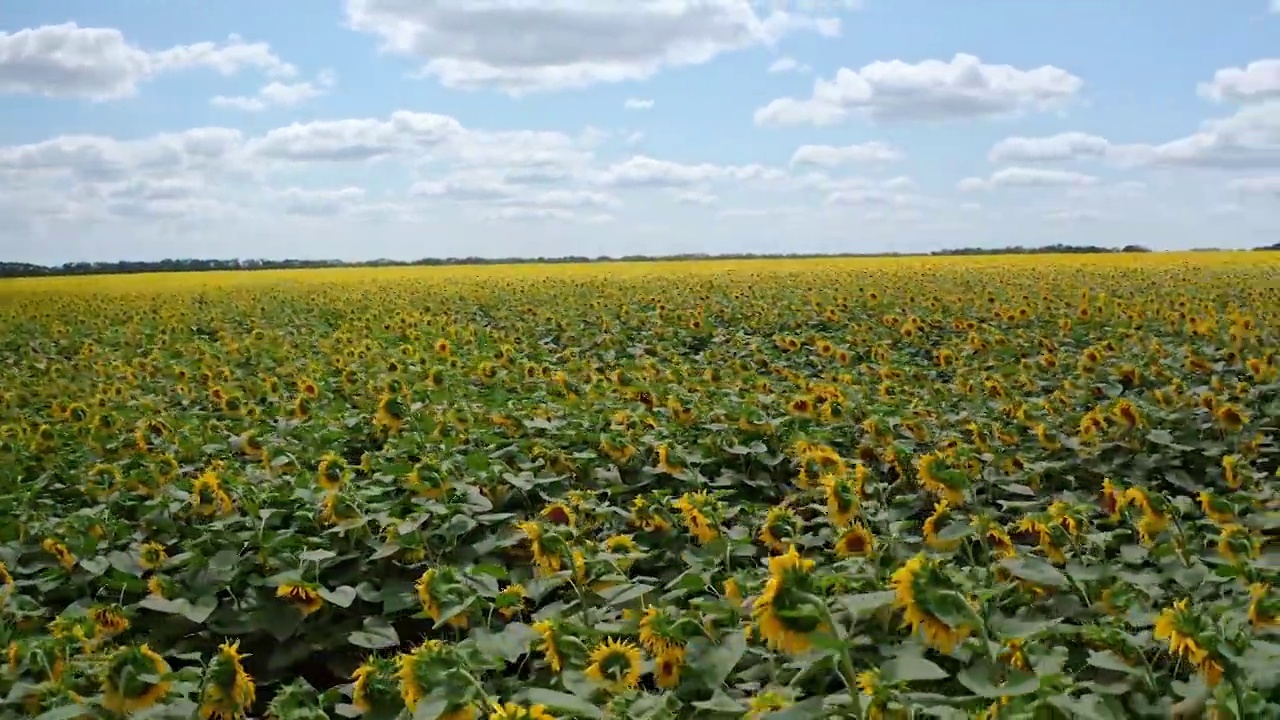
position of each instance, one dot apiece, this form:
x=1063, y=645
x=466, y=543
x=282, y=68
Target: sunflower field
x=999, y=487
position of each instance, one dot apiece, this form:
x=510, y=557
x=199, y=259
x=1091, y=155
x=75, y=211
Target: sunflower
x=1231, y=472
x=124, y=688
x=376, y=684
x=229, y=692
x=765, y=704
x=693, y=507
x=1236, y=543
x=6, y=580
x=941, y=515
x=509, y=602
x=857, y=541
x=332, y=472
x=544, y=546
x=657, y=631
x=108, y=621
x=560, y=514
x=917, y=574
x=787, y=612
x=1216, y=509
x=1230, y=417
x=622, y=545
x=667, y=667
x=302, y=596
x=615, y=664
x=152, y=555
x=513, y=711
x=431, y=587
x=207, y=496
x=417, y=671
x=59, y=552
x=780, y=526
x=1264, y=609
x=391, y=413
x=842, y=498
x=1127, y=413
x=1113, y=500
x=548, y=643
x=426, y=479
x=944, y=483
x=1180, y=626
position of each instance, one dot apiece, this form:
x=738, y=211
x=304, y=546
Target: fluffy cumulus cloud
x=278, y=94
x=1054, y=148
x=831, y=156
x=929, y=90
x=519, y=46
x=1027, y=177
x=99, y=63
x=1257, y=81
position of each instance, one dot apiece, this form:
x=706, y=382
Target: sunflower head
x=857, y=541
x=615, y=664
x=788, y=611
x=376, y=685
x=134, y=679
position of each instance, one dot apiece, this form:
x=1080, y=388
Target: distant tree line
x=12, y=269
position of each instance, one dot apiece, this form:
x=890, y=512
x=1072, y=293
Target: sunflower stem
x=847, y=673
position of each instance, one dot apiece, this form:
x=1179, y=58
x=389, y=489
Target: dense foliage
x=1004, y=487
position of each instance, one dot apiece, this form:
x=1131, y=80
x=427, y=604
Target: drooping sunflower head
x=615, y=664
x=658, y=632
x=842, y=498
x=779, y=529
x=303, y=596
x=134, y=679
x=509, y=602
x=857, y=541
x=766, y=703
x=229, y=691
x=376, y=684
x=788, y=611
x=420, y=671
x=919, y=587
x=1230, y=417
x=514, y=711
x=332, y=472
x=108, y=620
x=945, y=483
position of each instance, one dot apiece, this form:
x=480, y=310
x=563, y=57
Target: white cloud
x=96, y=158
x=519, y=46
x=1027, y=177
x=696, y=197
x=832, y=156
x=100, y=64
x=1269, y=185
x=642, y=171
x=788, y=64
x=1255, y=82
x=638, y=104
x=930, y=90
x=278, y=94
x=1248, y=139
x=1054, y=148
x=319, y=203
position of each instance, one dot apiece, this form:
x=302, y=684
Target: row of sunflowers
x=999, y=487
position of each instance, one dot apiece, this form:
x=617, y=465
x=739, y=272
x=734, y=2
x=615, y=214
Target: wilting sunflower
x=857, y=541
x=434, y=587
x=560, y=514
x=912, y=584
x=1236, y=543
x=229, y=692
x=124, y=688
x=622, y=545
x=1230, y=417
x=788, y=612
x=207, y=496
x=941, y=516
x=1113, y=500
x=391, y=413
x=615, y=664
x=1181, y=627
x=303, y=596
x=647, y=516
x=59, y=552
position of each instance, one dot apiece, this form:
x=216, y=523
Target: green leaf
x=201, y=609
x=95, y=565
x=376, y=635
x=562, y=702
x=803, y=710
x=721, y=659
x=1108, y=660
x=66, y=712
x=341, y=596
x=911, y=667
x=317, y=555
x=720, y=702
x=980, y=680
x=430, y=708
x=624, y=593
x=1034, y=570
x=865, y=603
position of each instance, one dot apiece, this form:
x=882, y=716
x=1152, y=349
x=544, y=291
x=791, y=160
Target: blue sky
x=391, y=128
